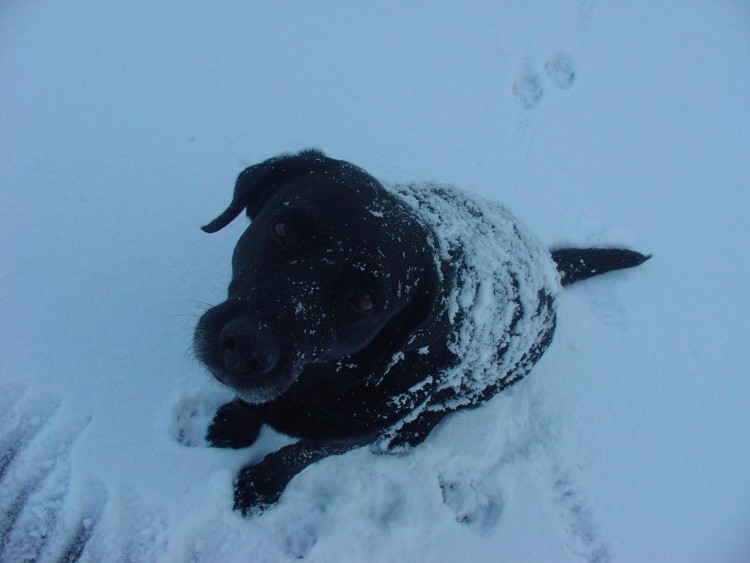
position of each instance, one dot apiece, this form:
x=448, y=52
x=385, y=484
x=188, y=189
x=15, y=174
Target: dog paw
x=191, y=416
x=256, y=489
x=561, y=71
x=528, y=90
x=233, y=426
x=470, y=503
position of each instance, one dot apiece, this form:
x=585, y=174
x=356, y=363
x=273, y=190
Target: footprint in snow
x=387, y=503
x=470, y=503
x=580, y=526
x=528, y=90
x=298, y=529
x=192, y=416
x=561, y=71
x=299, y=537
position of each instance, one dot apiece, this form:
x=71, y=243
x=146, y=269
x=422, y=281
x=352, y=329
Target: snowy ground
x=122, y=127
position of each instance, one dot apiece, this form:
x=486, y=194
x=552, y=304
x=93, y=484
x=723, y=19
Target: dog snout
x=244, y=351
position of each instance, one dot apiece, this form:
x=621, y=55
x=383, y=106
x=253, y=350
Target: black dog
x=363, y=315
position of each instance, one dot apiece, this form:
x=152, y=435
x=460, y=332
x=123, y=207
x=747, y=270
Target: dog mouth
x=254, y=384
x=256, y=388
x=238, y=355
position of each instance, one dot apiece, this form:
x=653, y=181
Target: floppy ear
x=423, y=316
x=419, y=324
x=256, y=184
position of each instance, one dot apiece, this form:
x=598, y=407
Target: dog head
x=331, y=266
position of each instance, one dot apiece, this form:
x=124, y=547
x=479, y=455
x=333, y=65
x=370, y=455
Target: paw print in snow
x=191, y=417
x=584, y=538
x=561, y=71
x=528, y=90
x=470, y=503
x=387, y=504
x=299, y=529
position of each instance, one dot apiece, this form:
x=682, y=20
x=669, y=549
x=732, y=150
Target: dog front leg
x=414, y=432
x=234, y=425
x=259, y=486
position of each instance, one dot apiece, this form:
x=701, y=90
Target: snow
x=122, y=128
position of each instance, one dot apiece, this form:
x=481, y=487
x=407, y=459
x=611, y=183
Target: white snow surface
x=122, y=128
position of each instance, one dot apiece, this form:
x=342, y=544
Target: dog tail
x=576, y=264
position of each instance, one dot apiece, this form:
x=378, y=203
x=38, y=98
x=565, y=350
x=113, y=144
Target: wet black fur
x=330, y=383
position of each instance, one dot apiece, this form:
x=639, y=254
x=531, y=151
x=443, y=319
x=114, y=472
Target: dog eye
x=365, y=302
x=282, y=231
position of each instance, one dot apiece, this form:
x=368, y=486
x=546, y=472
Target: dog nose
x=243, y=351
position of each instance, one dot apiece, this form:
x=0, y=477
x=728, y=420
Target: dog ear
x=418, y=325
x=423, y=317
x=256, y=184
